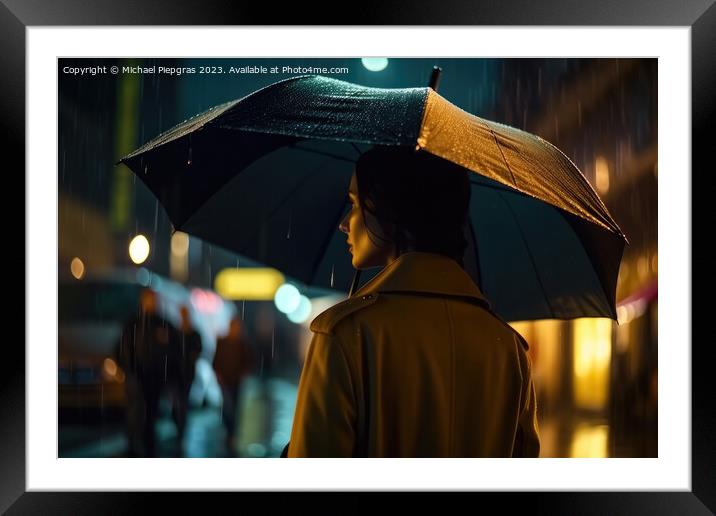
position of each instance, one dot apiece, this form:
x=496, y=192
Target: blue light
x=287, y=298
x=302, y=312
x=143, y=277
x=375, y=64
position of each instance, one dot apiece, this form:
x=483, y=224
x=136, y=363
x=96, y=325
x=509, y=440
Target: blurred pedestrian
x=142, y=352
x=186, y=347
x=232, y=363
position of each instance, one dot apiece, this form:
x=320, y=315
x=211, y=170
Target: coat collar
x=426, y=273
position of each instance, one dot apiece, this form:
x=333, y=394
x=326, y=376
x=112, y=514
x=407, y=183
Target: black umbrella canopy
x=267, y=175
x=188, y=164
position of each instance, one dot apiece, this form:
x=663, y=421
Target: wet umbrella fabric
x=266, y=176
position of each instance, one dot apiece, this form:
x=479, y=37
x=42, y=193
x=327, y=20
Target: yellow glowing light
x=592, y=355
x=642, y=267
x=602, y=175
x=590, y=442
x=139, y=249
x=180, y=243
x=522, y=327
x=110, y=367
x=77, y=268
x=179, y=256
x=251, y=284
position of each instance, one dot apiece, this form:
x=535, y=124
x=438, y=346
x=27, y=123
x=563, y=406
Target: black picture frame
x=700, y=15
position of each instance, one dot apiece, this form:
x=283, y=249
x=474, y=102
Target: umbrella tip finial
x=435, y=78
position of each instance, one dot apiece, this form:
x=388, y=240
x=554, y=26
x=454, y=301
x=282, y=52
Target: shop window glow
x=592, y=356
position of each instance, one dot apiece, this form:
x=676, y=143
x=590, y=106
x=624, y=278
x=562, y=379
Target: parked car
x=91, y=314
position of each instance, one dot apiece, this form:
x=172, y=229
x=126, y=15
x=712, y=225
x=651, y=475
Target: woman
x=414, y=364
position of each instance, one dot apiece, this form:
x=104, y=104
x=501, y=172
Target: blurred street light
x=287, y=298
x=375, y=64
x=139, y=249
x=77, y=268
x=179, y=256
x=302, y=311
x=248, y=284
x=602, y=175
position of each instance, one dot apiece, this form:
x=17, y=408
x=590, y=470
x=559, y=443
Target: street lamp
x=287, y=298
x=139, y=249
x=375, y=64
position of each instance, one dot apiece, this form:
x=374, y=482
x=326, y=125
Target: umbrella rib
x=529, y=253
x=500, y=188
x=323, y=153
x=494, y=136
x=607, y=297
x=357, y=149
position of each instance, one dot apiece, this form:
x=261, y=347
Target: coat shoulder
x=326, y=321
x=521, y=340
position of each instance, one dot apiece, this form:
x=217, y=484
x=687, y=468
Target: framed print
x=121, y=222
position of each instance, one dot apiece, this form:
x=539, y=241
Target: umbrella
x=266, y=176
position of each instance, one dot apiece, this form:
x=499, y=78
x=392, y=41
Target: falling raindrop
x=556, y=128
x=243, y=307
x=273, y=341
x=146, y=168
x=165, y=368
x=333, y=271
x=539, y=81
x=156, y=217
x=288, y=234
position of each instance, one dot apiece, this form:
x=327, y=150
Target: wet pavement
x=263, y=429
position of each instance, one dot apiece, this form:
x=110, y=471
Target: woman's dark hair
x=420, y=200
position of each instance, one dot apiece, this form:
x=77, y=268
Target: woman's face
x=366, y=253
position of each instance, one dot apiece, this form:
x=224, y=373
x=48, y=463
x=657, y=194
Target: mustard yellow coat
x=414, y=365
